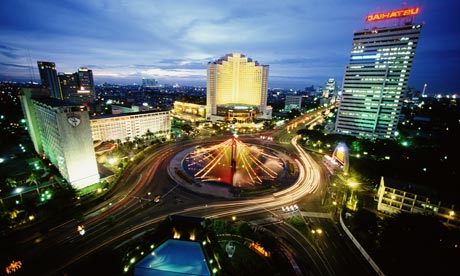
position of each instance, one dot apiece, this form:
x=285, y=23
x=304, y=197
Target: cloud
x=308, y=40
x=15, y=65
x=8, y=52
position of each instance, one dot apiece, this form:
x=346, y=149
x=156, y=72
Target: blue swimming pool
x=173, y=258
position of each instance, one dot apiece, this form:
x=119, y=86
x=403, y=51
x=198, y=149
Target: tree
x=10, y=183
x=33, y=180
x=293, y=114
x=415, y=244
x=148, y=134
x=365, y=227
x=268, y=124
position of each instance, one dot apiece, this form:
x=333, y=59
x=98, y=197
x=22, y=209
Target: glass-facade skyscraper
x=77, y=87
x=48, y=78
x=375, y=80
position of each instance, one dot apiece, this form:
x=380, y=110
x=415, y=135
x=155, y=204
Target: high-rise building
x=29, y=113
x=148, y=83
x=77, y=87
x=377, y=75
x=86, y=84
x=330, y=88
x=48, y=77
x=292, y=102
x=68, y=82
x=61, y=132
x=234, y=83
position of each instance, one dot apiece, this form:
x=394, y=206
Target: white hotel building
x=122, y=126
x=61, y=132
x=64, y=133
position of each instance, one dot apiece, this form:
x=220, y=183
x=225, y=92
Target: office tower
x=376, y=77
x=330, y=88
x=48, y=77
x=236, y=83
x=77, y=87
x=62, y=133
x=292, y=102
x=86, y=83
x=68, y=82
x=149, y=83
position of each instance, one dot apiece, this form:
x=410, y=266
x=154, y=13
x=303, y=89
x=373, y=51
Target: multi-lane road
x=129, y=209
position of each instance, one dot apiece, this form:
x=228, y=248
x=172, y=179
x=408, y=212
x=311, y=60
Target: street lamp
x=316, y=232
x=81, y=230
x=451, y=215
x=19, y=191
x=352, y=202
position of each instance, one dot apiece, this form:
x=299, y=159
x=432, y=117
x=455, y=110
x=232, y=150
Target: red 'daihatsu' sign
x=393, y=14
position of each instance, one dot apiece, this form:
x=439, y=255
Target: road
x=130, y=210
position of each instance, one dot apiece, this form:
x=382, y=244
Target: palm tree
x=148, y=134
x=10, y=183
x=33, y=180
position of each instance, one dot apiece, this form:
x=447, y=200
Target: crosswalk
x=278, y=218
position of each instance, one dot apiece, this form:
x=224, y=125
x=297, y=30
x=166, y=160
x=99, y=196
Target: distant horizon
x=303, y=43
x=126, y=82
x=279, y=82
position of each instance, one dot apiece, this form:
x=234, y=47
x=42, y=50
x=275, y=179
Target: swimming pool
x=172, y=258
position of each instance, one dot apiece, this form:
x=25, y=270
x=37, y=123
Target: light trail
x=308, y=181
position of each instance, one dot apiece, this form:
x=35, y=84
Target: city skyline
x=304, y=43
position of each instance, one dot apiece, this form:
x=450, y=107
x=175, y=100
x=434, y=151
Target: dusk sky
x=304, y=42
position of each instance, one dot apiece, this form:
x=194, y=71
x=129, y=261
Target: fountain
x=234, y=163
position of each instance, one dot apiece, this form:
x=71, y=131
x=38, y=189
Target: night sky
x=304, y=42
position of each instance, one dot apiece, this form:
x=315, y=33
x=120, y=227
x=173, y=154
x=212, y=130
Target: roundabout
x=233, y=168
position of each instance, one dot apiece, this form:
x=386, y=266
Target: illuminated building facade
x=86, y=90
x=149, y=83
x=130, y=125
x=195, y=111
x=29, y=113
x=292, y=102
x=48, y=78
x=64, y=137
x=377, y=75
x=330, y=88
x=395, y=197
x=77, y=87
x=120, y=109
x=68, y=82
x=237, y=80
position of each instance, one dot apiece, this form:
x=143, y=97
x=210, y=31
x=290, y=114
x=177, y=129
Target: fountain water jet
x=234, y=163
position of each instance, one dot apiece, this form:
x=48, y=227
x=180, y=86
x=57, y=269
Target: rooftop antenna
x=31, y=71
x=424, y=88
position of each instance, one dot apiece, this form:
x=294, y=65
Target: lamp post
x=351, y=202
x=316, y=233
x=451, y=216
x=19, y=191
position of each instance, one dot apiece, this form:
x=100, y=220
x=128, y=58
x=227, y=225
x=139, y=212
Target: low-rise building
x=130, y=125
x=396, y=196
x=190, y=110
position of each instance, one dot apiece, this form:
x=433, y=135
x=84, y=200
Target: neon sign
x=393, y=14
